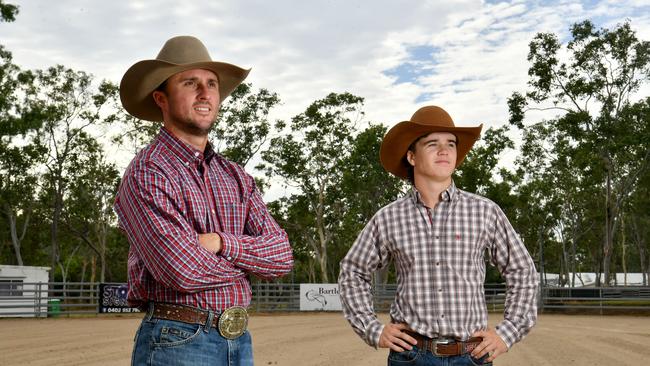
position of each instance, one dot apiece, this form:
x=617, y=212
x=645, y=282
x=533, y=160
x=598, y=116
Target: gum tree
x=591, y=82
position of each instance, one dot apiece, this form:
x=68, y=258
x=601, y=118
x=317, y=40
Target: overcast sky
x=467, y=56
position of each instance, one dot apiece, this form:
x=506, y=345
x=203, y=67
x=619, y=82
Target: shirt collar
x=448, y=194
x=184, y=151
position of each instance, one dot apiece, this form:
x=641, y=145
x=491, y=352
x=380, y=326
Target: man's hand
x=492, y=344
x=393, y=337
x=211, y=242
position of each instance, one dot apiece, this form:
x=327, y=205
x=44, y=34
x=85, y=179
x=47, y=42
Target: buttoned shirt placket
x=437, y=219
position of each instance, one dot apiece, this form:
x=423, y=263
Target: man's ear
x=410, y=157
x=160, y=98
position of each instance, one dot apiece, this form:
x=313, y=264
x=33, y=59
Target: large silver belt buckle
x=233, y=322
x=441, y=341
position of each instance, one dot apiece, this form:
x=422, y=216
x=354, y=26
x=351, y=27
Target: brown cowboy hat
x=178, y=54
x=423, y=122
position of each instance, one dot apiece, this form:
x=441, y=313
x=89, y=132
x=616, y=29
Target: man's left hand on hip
x=492, y=344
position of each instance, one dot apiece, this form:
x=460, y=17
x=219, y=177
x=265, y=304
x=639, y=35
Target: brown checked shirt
x=439, y=257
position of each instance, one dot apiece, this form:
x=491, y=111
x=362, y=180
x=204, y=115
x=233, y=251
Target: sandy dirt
x=322, y=339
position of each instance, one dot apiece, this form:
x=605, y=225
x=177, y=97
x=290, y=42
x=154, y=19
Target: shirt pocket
x=465, y=255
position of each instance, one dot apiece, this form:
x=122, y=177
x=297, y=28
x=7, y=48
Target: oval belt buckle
x=233, y=322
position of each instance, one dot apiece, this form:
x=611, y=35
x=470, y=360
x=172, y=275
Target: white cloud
x=305, y=50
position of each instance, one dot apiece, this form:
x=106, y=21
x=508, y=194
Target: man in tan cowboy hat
x=437, y=236
x=196, y=224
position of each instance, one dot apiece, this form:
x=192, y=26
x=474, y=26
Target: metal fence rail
x=50, y=299
x=596, y=298
x=57, y=299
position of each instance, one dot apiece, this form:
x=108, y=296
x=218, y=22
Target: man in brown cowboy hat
x=196, y=224
x=437, y=236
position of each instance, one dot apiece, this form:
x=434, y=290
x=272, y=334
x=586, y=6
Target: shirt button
x=229, y=258
x=439, y=290
x=196, y=154
x=437, y=237
x=212, y=211
x=442, y=316
x=437, y=263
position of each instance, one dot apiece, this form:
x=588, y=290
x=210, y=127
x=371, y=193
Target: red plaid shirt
x=171, y=193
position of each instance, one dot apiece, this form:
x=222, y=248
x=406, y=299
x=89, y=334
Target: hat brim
x=398, y=139
x=141, y=79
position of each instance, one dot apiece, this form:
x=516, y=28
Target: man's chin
x=197, y=129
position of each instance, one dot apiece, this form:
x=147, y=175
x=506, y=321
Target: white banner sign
x=319, y=296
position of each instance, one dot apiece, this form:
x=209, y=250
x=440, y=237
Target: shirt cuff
x=230, y=247
x=507, y=331
x=373, y=333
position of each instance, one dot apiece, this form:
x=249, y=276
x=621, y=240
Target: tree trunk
x=573, y=261
x=84, y=266
x=607, y=242
x=623, y=251
x=322, y=236
x=312, y=272
x=102, y=252
x=322, y=260
x=575, y=229
x=93, y=269
x=564, y=263
x=54, y=240
x=63, y=277
x=598, y=269
x=540, y=243
x=15, y=241
x=643, y=255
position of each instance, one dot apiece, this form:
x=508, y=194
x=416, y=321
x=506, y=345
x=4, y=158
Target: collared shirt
x=171, y=193
x=439, y=257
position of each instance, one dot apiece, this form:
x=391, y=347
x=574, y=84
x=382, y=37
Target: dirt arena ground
x=322, y=339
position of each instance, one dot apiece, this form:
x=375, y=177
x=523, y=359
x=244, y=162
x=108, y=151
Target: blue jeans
x=418, y=357
x=161, y=342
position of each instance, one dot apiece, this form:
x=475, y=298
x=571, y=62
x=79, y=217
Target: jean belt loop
x=208, y=322
x=149, y=311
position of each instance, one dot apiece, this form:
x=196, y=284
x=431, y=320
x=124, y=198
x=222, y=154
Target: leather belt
x=445, y=346
x=231, y=323
x=182, y=313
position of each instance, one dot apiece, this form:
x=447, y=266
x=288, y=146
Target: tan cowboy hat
x=178, y=54
x=423, y=122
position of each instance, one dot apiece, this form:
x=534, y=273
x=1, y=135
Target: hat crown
x=424, y=121
x=184, y=50
x=178, y=54
x=432, y=115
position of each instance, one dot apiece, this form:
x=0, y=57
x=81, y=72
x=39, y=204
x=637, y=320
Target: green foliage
x=582, y=166
x=310, y=158
x=476, y=173
x=243, y=126
x=365, y=188
x=17, y=176
x=54, y=176
x=8, y=12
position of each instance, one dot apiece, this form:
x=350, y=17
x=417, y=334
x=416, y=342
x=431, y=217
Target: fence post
x=601, y=300
x=257, y=297
x=37, y=299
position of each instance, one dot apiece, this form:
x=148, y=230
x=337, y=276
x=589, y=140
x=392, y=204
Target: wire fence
x=55, y=299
